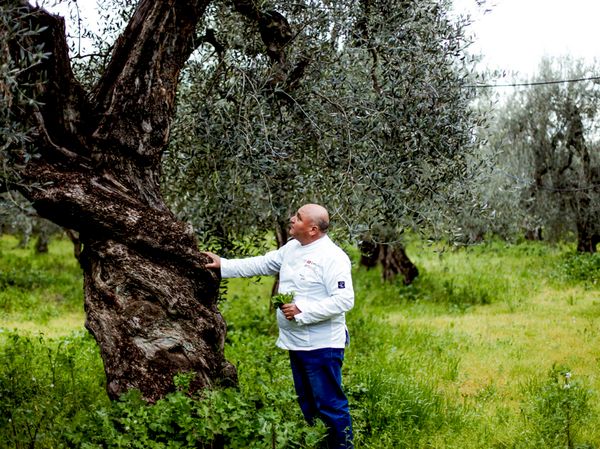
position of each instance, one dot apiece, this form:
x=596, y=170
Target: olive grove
x=544, y=138
x=258, y=106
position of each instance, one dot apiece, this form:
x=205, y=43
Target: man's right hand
x=216, y=260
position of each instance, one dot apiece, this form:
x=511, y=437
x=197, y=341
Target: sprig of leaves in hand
x=282, y=298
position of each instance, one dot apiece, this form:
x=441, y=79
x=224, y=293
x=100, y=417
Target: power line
x=534, y=83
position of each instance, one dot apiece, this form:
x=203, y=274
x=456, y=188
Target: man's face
x=301, y=226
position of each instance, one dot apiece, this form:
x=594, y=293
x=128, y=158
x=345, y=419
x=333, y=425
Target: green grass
x=512, y=313
x=472, y=355
x=39, y=289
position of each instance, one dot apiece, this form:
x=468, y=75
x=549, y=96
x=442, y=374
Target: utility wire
x=534, y=83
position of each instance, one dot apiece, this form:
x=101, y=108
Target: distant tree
x=17, y=217
x=548, y=135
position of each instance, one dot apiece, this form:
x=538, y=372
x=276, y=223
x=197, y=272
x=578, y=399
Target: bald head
x=317, y=215
x=310, y=223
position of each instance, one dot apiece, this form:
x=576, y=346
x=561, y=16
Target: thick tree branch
x=74, y=201
x=275, y=32
x=137, y=91
x=61, y=99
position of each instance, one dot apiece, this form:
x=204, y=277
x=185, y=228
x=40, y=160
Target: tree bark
x=586, y=217
x=281, y=236
x=534, y=234
x=392, y=257
x=150, y=302
x=41, y=243
x=587, y=238
x=394, y=261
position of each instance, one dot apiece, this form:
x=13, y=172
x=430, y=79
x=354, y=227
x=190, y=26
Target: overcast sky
x=516, y=34
x=512, y=35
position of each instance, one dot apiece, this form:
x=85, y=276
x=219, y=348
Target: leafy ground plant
x=581, y=267
x=46, y=385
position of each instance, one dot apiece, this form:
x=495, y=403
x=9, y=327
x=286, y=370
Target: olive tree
x=548, y=137
x=368, y=113
x=90, y=161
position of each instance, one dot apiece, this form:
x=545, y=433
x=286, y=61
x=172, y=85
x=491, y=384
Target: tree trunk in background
x=281, y=236
x=392, y=257
x=584, y=201
x=41, y=243
x=369, y=252
x=149, y=301
x=534, y=234
x=394, y=261
x=587, y=238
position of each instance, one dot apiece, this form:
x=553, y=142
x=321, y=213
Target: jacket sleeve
x=268, y=264
x=337, y=278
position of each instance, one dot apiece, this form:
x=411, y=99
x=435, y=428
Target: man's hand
x=216, y=260
x=290, y=311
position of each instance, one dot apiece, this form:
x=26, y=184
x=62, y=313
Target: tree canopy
x=368, y=113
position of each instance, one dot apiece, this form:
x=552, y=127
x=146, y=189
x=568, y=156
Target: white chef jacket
x=319, y=275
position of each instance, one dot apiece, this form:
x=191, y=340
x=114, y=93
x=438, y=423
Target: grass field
x=494, y=346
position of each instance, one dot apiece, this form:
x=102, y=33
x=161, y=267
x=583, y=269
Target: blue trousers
x=318, y=382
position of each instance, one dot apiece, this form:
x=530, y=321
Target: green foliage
x=368, y=114
x=557, y=409
x=223, y=418
x=46, y=386
x=581, y=267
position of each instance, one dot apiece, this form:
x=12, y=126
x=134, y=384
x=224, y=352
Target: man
x=313, y=327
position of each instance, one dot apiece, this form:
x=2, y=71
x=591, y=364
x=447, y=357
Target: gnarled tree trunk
x=149, y=301
x=392, y=257
x=588, y=238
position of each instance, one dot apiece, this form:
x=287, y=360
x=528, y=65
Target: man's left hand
x=290, y=311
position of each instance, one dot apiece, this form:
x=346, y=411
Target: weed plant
x=577, y=267
x=556, y=411
x=46, y=387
